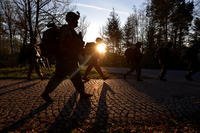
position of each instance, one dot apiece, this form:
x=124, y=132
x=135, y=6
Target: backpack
x=50, y=41
x=130, y=53
x=89, y=48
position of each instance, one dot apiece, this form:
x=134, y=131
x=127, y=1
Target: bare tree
x=26, y=19
x=8, y=15
x=83, y=25
x=197, y=8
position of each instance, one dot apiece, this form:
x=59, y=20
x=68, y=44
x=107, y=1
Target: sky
x=97, y=12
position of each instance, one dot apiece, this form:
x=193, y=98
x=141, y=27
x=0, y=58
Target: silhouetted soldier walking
x=70, y=46
x=94, y=56
x=193, y=60
x=134, y=56
x=163, y=55
x=34, y=57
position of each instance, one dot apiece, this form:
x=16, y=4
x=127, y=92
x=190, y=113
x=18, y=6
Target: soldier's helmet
x=72, y=16
x=99, y=40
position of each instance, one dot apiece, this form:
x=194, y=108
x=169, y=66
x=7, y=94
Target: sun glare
x=101, y=48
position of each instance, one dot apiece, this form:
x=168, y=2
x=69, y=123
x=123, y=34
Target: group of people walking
x=163, y=55
x=64, y=45
x=71, y=45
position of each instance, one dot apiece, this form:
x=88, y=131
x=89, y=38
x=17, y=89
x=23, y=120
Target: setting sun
x=101, y=48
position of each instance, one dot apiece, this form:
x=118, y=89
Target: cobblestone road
x=115, y=103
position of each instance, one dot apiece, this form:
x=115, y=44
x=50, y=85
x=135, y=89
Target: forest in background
x=23, y=21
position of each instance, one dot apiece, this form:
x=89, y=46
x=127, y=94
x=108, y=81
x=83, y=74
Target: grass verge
x=21, y=73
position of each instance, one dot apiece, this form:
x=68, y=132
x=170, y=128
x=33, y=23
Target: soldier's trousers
x=135, y=67
x=63, y=70
x=163, y=71
x=33, y=65
x=163, y=68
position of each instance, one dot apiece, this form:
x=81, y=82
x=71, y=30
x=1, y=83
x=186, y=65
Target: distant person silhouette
x=94, y=57
x=163, y=55
x=133, y=57
x=193, y=60
x=69, y=48
x=34, y=59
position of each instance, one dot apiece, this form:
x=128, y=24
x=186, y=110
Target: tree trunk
x=10, y=37
x=180, y=38
x=32, y=37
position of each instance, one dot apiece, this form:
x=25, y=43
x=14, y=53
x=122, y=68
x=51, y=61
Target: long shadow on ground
x=72, y=115
x=24, y=119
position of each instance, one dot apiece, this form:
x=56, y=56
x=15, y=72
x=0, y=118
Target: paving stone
x=115, y=103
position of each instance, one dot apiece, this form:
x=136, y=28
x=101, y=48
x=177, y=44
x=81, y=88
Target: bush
x=9, y=60
x=113, y=60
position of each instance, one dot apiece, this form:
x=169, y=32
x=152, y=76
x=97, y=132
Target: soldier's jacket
x=163, y=54
x=70, y=45
x=133, y=55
